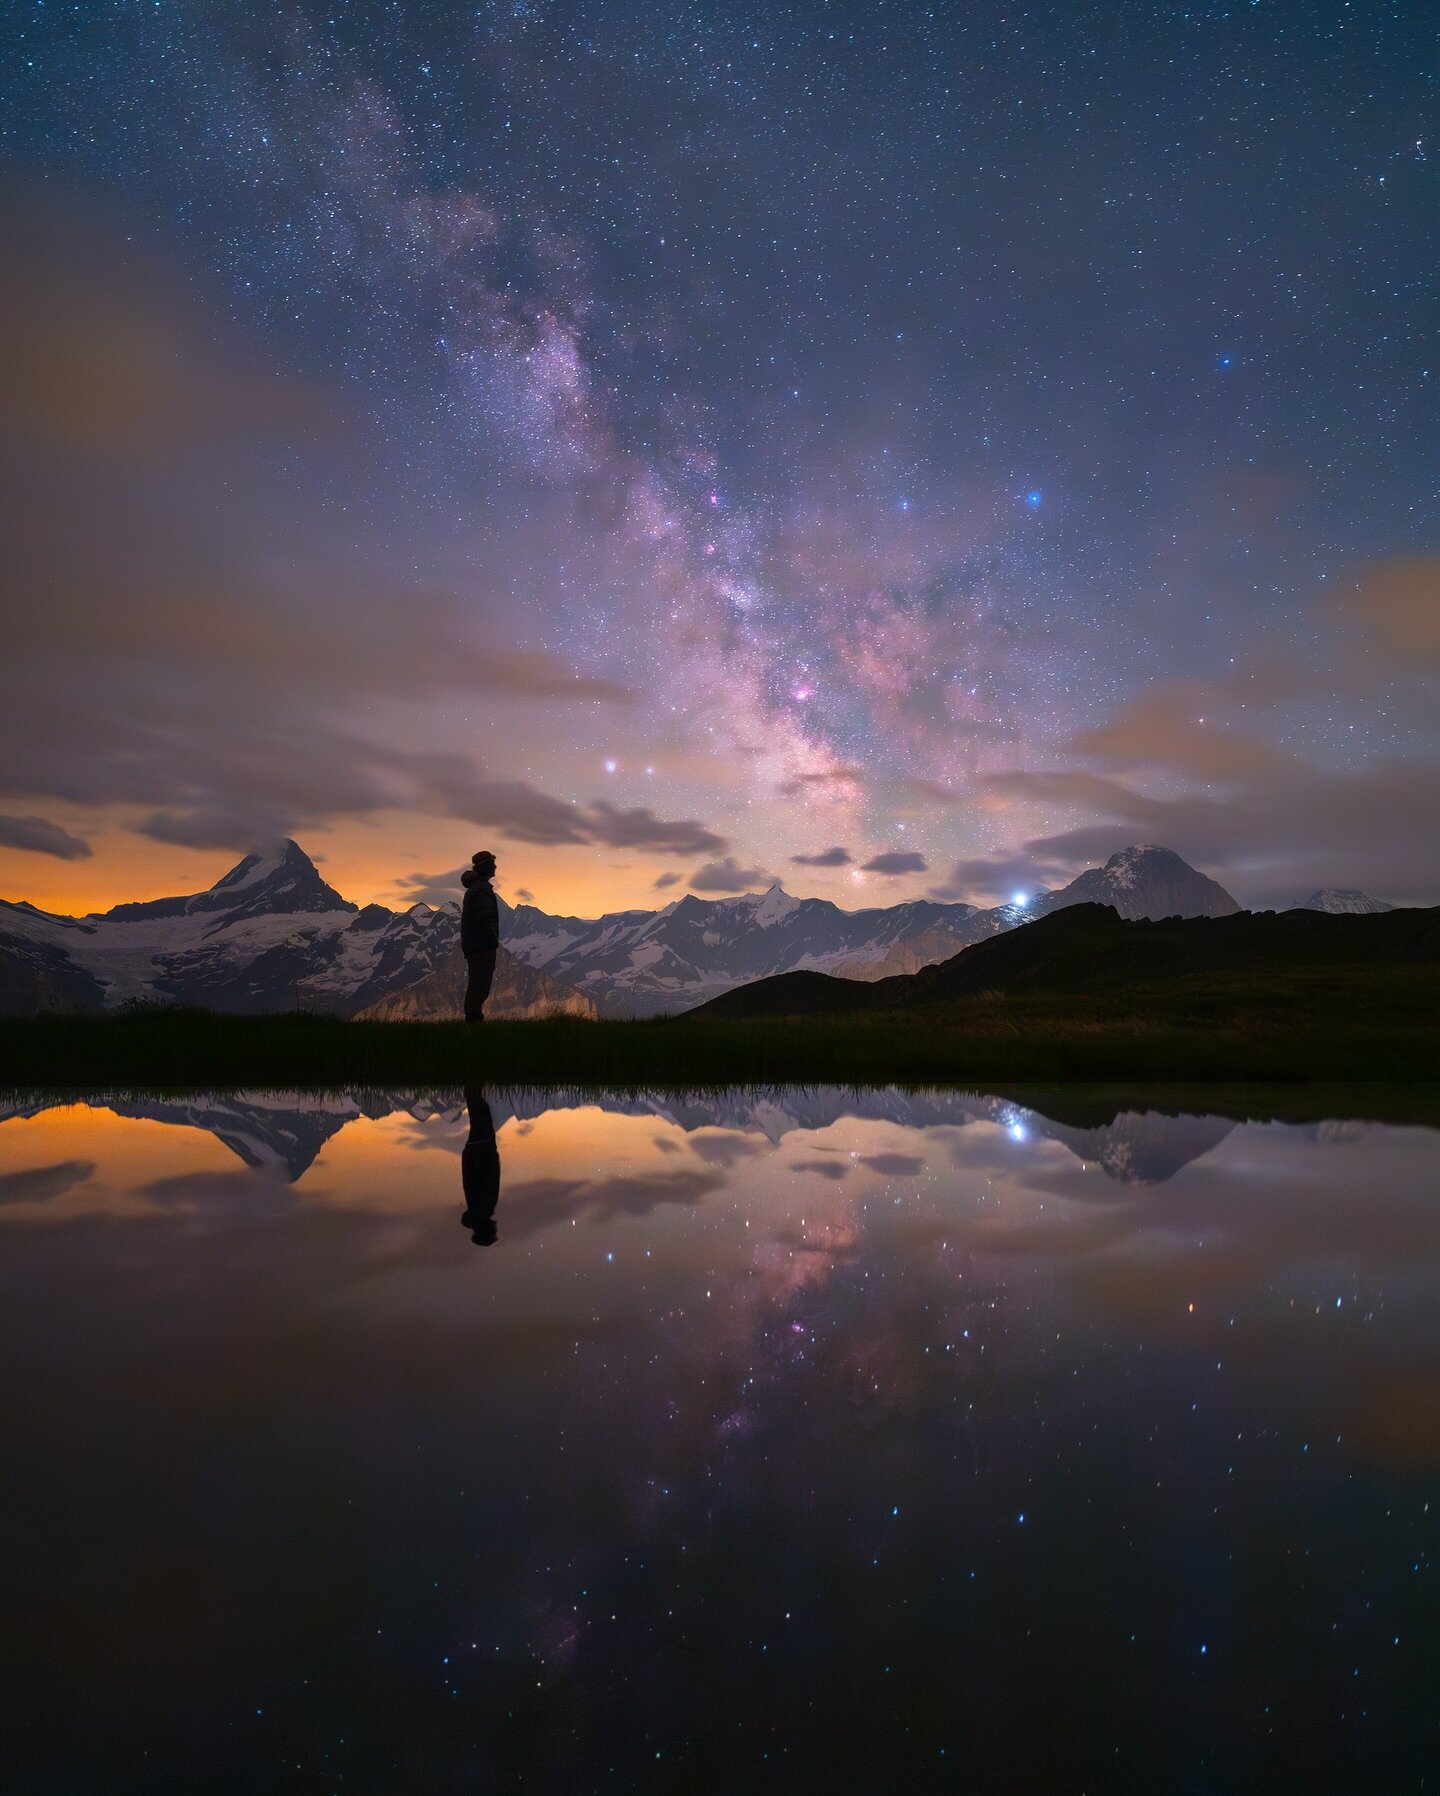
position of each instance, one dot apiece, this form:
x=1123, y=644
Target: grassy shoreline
x=988, y=1042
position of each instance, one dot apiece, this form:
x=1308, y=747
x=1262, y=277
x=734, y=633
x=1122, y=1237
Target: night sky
x=893, y=449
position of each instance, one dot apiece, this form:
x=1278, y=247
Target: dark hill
x=1089, y=949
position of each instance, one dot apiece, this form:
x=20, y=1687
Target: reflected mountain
x=285, y=1131
x=1143, y=1147
x=275, y=1132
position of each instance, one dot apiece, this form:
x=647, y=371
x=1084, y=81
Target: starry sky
x=897, y=449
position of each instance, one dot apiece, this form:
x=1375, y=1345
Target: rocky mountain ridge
x=642, y=963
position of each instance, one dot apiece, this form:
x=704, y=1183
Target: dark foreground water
x=811, y=1441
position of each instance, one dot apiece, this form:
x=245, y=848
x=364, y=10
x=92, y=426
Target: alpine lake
x=871, y=1440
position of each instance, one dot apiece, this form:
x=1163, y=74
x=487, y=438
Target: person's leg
x=475, y=992
x=477, y=989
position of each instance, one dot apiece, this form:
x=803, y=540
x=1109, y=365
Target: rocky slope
x=518, y=991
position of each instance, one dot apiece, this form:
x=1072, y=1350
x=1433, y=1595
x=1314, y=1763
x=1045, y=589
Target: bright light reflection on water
x=793, y=1440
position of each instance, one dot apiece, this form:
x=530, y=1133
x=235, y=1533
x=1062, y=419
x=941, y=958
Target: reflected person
x=479, y=932
x=480, y=1170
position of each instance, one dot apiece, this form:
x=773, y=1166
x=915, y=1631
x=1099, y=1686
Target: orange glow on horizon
x=368, y=862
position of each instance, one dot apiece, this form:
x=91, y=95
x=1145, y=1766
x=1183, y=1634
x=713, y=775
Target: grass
x=987, y=1041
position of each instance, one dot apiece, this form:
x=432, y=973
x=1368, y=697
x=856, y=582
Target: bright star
x=1032, y=499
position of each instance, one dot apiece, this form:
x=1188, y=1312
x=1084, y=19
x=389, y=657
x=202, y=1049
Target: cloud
x=120, y=367
x=36, y=835
x=1272, y=840
x=433, y=889
x=1176, y=726
x=536, y=675
x=727, y=876
x=218, y=825
x=724, y=1149
x=533, y=1205
x=228, y=769
x=178, y=667
x=828, y=857
x=525, y=897
x=991, y=880
x=928, y=792
x=1397, y=603
x=895, y=1166
x=38, y=1184
x=641, y=828
x=821, y=778
x=899, y=862
x=666, y=880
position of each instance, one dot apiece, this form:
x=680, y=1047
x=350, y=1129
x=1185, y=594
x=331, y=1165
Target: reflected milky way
x=818, y=1437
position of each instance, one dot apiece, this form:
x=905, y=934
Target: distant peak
x=261, y=862
x=1345, y=900
x=1136, y=851
x=1144, y=880
x=775, y=904
x=274, y=881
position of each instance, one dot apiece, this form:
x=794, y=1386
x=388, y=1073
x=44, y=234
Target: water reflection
x=480, y=1170
x=814, y=1439
x=285, y=1132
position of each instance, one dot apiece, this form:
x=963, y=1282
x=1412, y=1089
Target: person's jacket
x=479, y=917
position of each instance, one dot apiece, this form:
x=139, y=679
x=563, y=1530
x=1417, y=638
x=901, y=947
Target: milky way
x=700, y=441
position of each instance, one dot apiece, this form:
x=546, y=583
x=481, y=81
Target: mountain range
x=272, y=935
x=1090, y=950
x=644, y=963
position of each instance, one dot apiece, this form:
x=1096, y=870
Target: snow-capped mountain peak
x=268, y=864
x=1143, y=880
x=274, y=882
x=774, y=906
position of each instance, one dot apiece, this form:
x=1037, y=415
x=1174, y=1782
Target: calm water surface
x=802, y=1441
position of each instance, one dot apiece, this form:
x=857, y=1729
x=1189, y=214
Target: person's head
x=483, y=864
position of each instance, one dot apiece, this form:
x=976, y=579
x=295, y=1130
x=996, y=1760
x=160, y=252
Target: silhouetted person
x=480, y=1170
x=479, y=932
